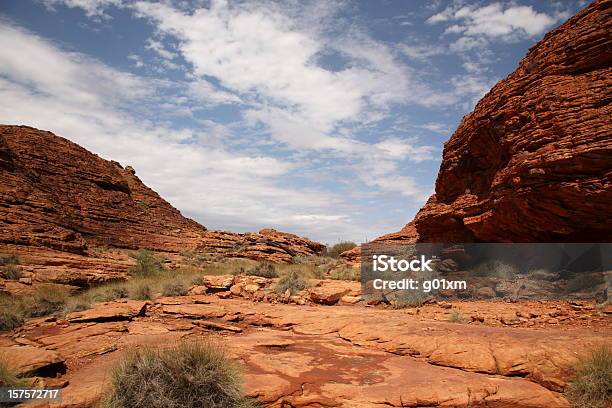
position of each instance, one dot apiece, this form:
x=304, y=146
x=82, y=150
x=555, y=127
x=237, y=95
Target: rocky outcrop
x=533, y=161
x=334, y=356
x=56, y=195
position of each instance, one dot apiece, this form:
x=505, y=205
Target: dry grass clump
x=175, y=289
x=497, y=269
x=47, y=299
x=403, y=299
x=346, y=273
x=9, y=259
x=233, y=266
x=583, y=281
x=262, y=270
x=188, y=375
x=9, y=267
x=12, y=272
x=8, y=377
x=456, y=316
x=335, y=250
x=11, y=313
x=591, y=386
x=292, y=281
x=142, y=291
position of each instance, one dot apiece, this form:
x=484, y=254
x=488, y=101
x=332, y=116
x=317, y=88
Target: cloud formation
x=249, y=114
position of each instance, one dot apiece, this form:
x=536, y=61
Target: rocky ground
x=299, y=352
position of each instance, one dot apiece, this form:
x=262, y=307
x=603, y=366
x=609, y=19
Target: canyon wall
x=57, y=195
x=533, y=161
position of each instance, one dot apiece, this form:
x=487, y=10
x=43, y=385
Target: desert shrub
x=46, y=300
x=346, y=273
x=456, y=316
x=105, y=293
x=11, y=272
x=591, y=386
x=542, y=275
x=9, y=259
x=408, y=298
x=11, y=313
x=495, y=268
x=174, y=289
x=76, y=304
x=263, y=270
x=235, y=266
x=119, y=292
x=8, y=377
x=583, y=281
x=292, y=281
x=198, y=280
x=188, y=375
x=147, y=264
x=141, y=291
x=335, y=250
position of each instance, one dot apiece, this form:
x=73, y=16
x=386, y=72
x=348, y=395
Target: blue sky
x=325, y=119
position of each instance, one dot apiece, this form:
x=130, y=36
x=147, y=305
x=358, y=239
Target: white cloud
x=92, y=8
x=137, y=60
x=84, y=101
x=422, y=52
x=262, y=57
x=496, y=21
x=206, y=93
x=159, y=48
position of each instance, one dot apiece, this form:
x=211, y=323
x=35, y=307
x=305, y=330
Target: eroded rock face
x=533, y=161
x=56, y=195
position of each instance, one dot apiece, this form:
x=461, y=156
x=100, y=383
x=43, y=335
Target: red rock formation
x=533, y=161
x=55, y=194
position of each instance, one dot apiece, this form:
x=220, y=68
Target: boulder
x=329, y=292
x=110, y=311
x=27, y=360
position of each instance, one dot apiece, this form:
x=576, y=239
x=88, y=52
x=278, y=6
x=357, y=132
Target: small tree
x=147, y=264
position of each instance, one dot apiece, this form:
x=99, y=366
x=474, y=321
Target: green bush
x=335, y=250
x=188, y=375
x=12, y=272
x=292, y=281
x=174, y=289
x=147, y=264
x=591, y=386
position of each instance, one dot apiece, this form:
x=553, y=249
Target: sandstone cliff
x=533, y=161
x=54, y=194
